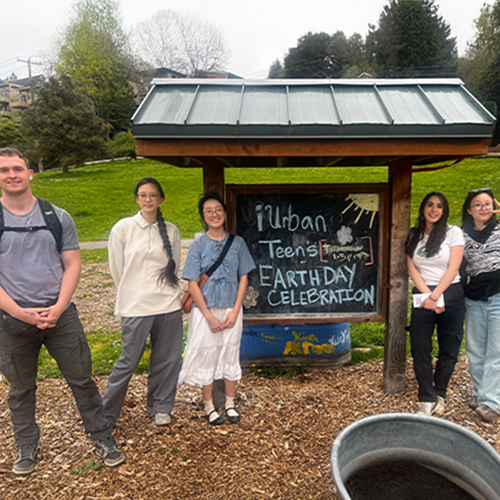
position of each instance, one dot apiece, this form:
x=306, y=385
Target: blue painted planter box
x=311, y=346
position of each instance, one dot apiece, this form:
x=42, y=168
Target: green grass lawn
x=98, y=196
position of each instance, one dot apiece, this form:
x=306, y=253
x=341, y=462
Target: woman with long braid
x=144, y=257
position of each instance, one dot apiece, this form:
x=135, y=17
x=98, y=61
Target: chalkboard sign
x=320, y=250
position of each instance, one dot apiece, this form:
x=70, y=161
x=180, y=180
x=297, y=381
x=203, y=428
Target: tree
x=180, y=42
x=94, y=53
x=319, y=55
x=10, y=132
x=480, y=68
x=314, y=57
x=412, y=39
x=276, y=69
x=62, y=125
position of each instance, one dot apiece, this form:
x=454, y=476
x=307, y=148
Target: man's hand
x=52, y=314
x=37, y=317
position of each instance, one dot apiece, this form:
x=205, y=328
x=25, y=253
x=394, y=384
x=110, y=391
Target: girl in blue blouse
x=213, y=346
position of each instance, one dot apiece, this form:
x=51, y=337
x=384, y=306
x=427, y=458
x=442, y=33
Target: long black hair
x=167, y=274
x=438, y=233
x=203, y=199
x=467, y=219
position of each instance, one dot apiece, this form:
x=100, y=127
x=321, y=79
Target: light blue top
x=221, y=289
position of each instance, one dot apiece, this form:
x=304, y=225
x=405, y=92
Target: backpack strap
x=52, y=223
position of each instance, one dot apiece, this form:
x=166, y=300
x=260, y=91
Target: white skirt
x=211, y=356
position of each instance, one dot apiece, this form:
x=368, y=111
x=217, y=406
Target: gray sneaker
x=162, y=419
x=106, y=448
x=25, y=460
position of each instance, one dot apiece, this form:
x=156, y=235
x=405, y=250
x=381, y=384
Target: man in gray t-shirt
x=37, y=282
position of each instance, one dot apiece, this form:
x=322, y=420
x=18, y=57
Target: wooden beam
x=227, y=163
x=395, y=336
x=311, y=148
x=213, y=177
x=330, y=162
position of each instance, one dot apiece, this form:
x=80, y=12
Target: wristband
x=433, y=300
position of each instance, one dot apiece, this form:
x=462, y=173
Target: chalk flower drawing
x=250, y=299
x=344, y=235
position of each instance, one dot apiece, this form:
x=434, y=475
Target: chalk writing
x=311, y=255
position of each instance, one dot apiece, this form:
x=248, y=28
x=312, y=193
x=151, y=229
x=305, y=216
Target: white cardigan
x=136, y=258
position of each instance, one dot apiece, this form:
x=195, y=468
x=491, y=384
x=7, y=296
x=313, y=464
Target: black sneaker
x=25, y=460
x=106, y=448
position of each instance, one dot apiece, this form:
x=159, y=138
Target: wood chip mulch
x=280, y=449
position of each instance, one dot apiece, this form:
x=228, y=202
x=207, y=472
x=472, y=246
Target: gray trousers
x=164, y=363
x=67, y=344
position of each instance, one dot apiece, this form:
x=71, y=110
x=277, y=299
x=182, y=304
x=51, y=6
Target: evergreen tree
x=93, y=52
x=62, y=125
x=412, y=39
x=314, y=57
x=319, y=55
x=10, y=132
x=276, y=70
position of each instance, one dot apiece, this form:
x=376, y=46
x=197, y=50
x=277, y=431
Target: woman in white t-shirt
x=434, y=253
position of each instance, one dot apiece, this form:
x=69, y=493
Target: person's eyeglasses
x=152, y=196
x=218, y=211
x=479, y=206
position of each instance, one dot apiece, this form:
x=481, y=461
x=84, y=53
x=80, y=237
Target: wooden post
x=395, y=336
x=213, y=177
x=213, y=181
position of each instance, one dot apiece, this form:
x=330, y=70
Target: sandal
x=234, y=419
x=217, y=421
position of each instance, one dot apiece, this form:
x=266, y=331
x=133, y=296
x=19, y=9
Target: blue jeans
x=482, y=324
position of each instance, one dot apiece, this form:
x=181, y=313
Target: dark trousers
x=450, y=332
x=67, y=343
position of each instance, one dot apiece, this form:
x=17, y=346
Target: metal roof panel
x=407, y=106
x=312, y=105
x=264, y=106
x=455, y=105
x=166, y=104
x=217, y=105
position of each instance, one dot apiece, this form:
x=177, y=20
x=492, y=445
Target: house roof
x=311, y=109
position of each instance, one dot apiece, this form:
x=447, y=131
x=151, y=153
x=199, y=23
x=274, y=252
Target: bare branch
x=180, y=42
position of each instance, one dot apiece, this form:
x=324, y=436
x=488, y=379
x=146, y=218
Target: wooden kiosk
x=401, y=124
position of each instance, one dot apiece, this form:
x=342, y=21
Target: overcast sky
x=257, y=31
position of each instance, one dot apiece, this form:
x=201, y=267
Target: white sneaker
x=431, y=408
x=439, y=408
x=425, y=408
x=162, y=419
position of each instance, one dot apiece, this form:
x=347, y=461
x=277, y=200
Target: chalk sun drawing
x=363, y=202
